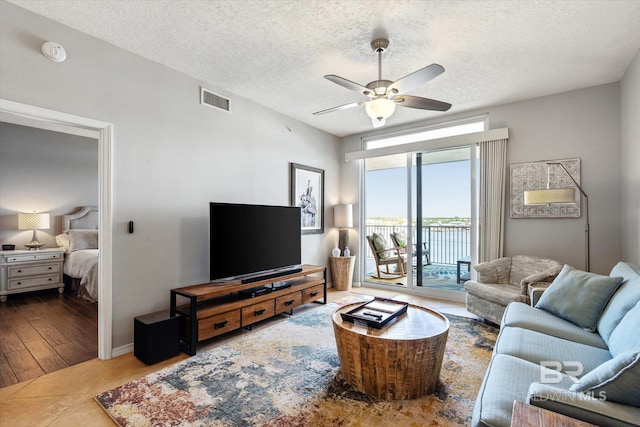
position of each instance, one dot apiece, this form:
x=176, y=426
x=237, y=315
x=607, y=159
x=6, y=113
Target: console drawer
x=218, y=325
x=288, y=302
x=33, y=270
x=312, y=294
x=257, y=312
x=51, y=279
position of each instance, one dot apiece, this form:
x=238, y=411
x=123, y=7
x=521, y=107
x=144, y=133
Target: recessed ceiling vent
x=212, y=100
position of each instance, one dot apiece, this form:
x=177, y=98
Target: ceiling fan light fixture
x=378, y=123
x=380, y=108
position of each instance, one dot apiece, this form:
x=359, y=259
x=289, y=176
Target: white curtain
x=493, y=166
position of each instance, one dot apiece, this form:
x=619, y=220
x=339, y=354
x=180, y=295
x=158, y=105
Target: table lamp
x=34, y=221
x=343, y=219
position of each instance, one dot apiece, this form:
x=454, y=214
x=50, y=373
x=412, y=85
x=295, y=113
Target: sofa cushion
x=537, y=348
x=617, y=379
x=627, y=295
x=524, y=316
x=626, y=336
x=507, y=379
x=579, y=296
x=500, y=293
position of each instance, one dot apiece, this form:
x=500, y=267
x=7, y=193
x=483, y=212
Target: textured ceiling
x=276, y=52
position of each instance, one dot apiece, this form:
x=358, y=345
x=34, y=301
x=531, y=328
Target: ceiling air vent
x=212, y=100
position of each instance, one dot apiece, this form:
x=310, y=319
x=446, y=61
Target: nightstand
x=26, y=271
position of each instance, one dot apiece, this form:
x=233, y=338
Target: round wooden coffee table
x=400, y=361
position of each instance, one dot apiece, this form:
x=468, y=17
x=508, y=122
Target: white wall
x=630, y=161
x=43, y=171
x=171, y=156
x=582, y=123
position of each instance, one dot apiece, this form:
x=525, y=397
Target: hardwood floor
x=42, y=332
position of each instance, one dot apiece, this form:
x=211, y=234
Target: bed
x=80, y=242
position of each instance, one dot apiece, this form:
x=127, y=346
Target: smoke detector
x=54, y=51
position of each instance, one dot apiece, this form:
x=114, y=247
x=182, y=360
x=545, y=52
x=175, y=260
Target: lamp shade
x=380, y=108
x=343, y=216
x=553, y=195
x=33, y=221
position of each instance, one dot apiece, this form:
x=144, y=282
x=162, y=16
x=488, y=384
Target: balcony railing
x=446, y=243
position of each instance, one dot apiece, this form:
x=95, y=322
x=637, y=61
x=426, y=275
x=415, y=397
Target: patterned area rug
x=288, y=375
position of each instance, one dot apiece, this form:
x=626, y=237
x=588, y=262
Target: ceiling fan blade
x=349, y=84
x=421, y=103
x=341, y=107
x=415, y=79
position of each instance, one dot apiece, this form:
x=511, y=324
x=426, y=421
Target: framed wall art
x=307, y=192
x=536, y=176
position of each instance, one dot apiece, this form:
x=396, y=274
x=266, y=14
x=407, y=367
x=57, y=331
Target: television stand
x=280, y=285
x=212, y=309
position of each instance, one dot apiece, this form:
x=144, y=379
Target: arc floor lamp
x=562, y=195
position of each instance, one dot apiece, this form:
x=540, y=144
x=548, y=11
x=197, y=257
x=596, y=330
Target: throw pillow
x=400, y=238
x=578, y=296
x=625, y=336
x=62, y=240
x=616, y=380
x=83, y=239
x=380, y=244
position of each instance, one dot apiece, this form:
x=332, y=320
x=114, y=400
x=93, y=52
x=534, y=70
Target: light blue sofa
x=542, y=359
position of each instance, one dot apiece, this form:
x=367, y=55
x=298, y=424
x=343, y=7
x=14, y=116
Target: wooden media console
x=212, y=309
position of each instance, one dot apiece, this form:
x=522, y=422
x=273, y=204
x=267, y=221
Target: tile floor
x=65, y=397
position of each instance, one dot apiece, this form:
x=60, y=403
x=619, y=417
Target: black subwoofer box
x=156, y=337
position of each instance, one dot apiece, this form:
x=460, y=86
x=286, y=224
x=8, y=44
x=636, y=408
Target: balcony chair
x=386, y=255
x=507, y=279
x=400, y=240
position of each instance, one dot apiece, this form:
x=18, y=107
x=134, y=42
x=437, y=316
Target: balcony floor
x=434, y=276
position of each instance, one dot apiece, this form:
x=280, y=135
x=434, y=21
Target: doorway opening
x=42, y=118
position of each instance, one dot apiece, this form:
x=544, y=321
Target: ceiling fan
x=384, y=95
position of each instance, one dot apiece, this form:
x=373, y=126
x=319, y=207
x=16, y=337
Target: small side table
x=342, y=271
x=536, y=289
x=525, y=415
x=467, y=274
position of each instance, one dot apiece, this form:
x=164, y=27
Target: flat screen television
x=256, y=240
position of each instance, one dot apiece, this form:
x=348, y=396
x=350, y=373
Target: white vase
x=347, y=252
x=335, y=251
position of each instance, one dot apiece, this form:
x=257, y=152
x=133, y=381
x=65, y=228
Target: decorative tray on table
x=376, y=313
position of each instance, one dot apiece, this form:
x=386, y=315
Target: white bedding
x=83, y=265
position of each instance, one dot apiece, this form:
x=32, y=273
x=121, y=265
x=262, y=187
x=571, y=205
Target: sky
x=446, y=191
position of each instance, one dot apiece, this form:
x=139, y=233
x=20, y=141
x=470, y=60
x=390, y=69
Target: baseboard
x=124, y=349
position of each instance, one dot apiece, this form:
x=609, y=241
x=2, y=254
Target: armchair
x=385, y=255
x=504, y=280
x=400, y=240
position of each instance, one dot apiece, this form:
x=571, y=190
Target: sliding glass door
x=386, y=216
x=442, y=198
x=422, y=207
